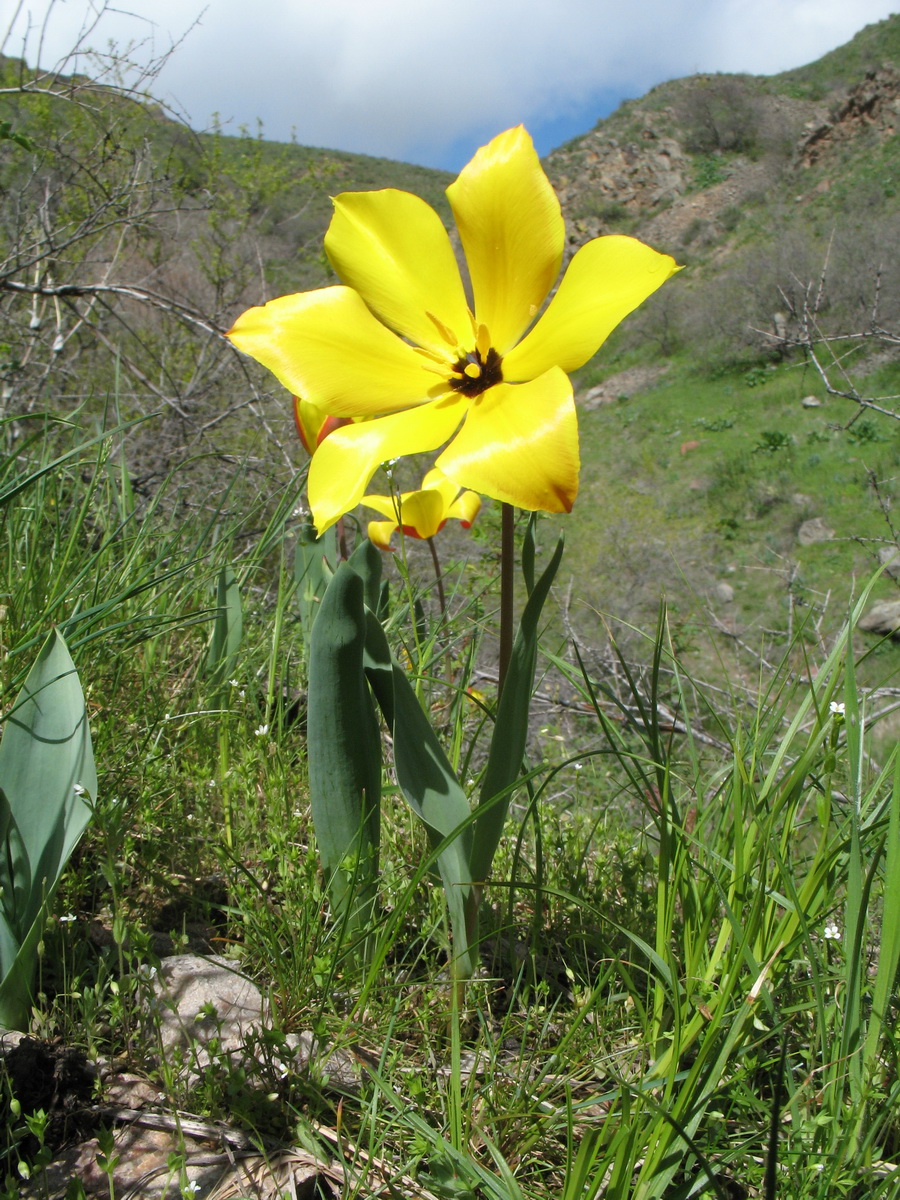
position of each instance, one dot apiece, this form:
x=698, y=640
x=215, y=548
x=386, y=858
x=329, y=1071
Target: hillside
x=753, y=183
x=756, y=179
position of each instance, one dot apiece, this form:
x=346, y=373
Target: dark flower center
x=477, y=374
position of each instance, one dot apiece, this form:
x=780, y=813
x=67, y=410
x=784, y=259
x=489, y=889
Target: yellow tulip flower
x=399, y=345
x=424, y=513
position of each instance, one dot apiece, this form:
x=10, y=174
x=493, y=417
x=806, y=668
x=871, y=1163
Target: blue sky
x=428, y=81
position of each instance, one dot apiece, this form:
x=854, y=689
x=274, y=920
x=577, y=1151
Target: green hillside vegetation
x=844, y=67
x=690, y=952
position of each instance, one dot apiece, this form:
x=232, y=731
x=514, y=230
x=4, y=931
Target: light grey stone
x=197, y=999
x=882, y=618
x=814, y=530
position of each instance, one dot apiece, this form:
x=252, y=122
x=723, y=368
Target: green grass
x=663, y=1010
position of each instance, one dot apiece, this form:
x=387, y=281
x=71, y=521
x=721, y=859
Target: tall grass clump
x=761, y=1039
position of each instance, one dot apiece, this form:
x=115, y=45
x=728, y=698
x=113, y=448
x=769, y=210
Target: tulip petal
x=466, y=508
x=348, y=458
x=519, y=444
x=380, y=533
x=386, y=505
x=327, y=347
x=605, y=281
x=391, y=247
x=423, y=512
x=512, y=231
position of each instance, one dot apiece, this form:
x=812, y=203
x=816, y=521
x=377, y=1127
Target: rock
x=596, y=396
x=621, y=386
x=724, y=592
x=889, y=557
x=814, y=530
x=811, y=402
x=882, y=618
x=126, y=1090
x=9, y=1039
x=338, y=1069
x=197, y=999
x=142, y=1167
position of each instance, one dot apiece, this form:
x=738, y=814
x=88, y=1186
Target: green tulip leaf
x=221, y=658
x=48, y=783
x=430, y=787
x=312, y=572
x=344, y=751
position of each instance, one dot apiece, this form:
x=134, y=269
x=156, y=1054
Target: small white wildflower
x=193, y=1187
x=831, y=931
x=261, y=731
x=235, y=682
x=578, y=766
x=836, y=708
x=78, y=789
x=67, y=919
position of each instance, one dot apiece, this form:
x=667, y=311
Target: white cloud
x=413, y=78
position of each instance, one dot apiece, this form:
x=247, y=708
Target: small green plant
x=772, y=441
x=863, y=433
x=715, y=424
x=708, y=171
x=757, y=376
x=107, y=1157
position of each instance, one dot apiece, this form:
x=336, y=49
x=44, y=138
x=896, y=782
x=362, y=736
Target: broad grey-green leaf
x=312, y=572
x=366, y=562
x=48, y=780
x=431, y=789
x=221, y=660
x=344, y=749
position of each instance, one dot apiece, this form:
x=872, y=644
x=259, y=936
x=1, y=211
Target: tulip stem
x=507, y=590
x=438, y=575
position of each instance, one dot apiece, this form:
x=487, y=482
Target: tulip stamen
x=445, y=331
